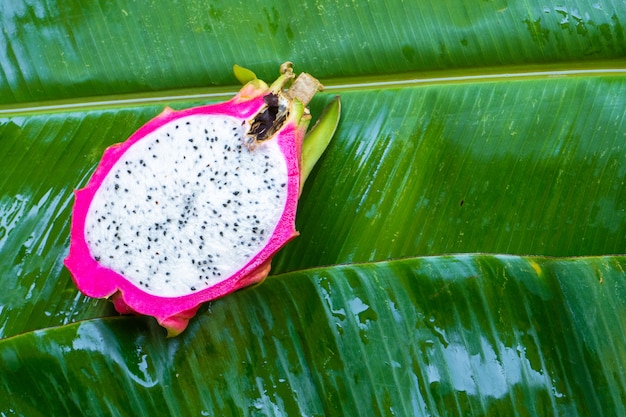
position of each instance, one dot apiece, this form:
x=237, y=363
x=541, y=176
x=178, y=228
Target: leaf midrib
x=606, y=68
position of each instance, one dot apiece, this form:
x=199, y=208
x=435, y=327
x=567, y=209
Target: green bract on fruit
x=195, y=204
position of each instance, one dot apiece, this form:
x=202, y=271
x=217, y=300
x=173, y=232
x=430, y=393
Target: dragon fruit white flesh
x=194, y=204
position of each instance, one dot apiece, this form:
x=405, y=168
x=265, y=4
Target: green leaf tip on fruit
x=317, y=139
x=243, y=75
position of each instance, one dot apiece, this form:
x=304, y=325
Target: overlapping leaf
x=63, y=49
x=485, y=335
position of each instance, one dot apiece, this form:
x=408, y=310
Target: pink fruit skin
x=174, y=313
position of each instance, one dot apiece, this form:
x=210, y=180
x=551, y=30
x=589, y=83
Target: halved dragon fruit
x=195, y=204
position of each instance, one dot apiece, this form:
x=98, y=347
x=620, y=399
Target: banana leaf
x=447, y=335
x=491, y=132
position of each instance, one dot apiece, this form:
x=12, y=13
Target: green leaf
x=462, y=335
x=427, y=170
x=61, y=49
x=466, y=127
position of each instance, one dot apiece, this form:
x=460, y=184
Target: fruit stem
x=304, y=88
x=286, y=75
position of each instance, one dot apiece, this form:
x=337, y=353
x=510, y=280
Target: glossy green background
x=467, y=127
